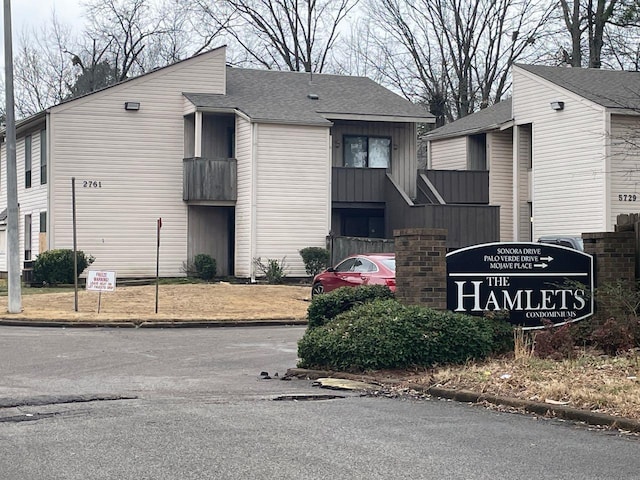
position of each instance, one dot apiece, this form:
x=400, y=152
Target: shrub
x=205, y=266
x=619, y=298
x=327, y=306
x=315, y=259
x=273, y=270
x=55, y=267
x=615, y=336
x=554, y=342
x=386, y=334
x=503, y=331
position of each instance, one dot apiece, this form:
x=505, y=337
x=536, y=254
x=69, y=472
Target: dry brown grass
x=188, y=302
x=593, y=382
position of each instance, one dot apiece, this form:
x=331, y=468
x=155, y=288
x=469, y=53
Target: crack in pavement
x=40, y=400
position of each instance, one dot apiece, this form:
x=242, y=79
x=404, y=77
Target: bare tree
x=295, y=35
x=124, y=27
x=456, y=55
x=95, y=71
x=590, y=17
x=182, y=32
x=42, y=69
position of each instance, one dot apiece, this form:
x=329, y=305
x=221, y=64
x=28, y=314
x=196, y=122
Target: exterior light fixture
x=557, y=105
x=132, y=105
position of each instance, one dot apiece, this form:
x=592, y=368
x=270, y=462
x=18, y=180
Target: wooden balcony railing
x=211, y=179
x=357, y=184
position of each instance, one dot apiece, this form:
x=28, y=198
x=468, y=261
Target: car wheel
x=317, y=289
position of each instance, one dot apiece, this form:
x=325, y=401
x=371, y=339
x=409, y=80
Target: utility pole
x=13, y=242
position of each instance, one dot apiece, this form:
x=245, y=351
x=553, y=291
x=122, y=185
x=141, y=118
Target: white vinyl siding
x=568, y=157
x=128, y=168
x=293, y=166
x=31, y=200
x=523, y=179
x=449, y=154
x=500, y=145
x=244, y=157
x=624, y=166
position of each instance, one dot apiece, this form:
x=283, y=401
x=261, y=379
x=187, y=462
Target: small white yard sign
x=98, y=281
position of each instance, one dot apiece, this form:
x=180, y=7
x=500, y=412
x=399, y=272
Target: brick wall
x=421, y=267
x=614, y=255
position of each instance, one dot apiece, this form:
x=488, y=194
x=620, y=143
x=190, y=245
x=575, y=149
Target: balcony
x=357, y=185
x=209, y=179
x=466, y=224
x=456, y=186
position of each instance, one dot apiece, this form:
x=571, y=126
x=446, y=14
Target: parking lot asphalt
x=539, y=408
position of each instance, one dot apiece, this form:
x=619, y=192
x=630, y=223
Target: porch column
x=197, y=152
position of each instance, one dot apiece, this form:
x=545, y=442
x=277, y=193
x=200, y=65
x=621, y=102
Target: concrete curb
x=557, y=411
x=36, y=322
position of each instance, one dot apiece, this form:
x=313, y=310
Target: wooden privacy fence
x=630, y=222
x=341, y=247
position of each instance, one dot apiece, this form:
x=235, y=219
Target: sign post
x=159, y=226
x=99, y=281
x=534, y=282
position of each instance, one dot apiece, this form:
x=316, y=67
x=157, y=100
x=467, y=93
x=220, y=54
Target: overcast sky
x=35, y=12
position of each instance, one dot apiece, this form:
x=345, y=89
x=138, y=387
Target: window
x=27, y=161
x=27, y=237
x=363, y=265
x=346, y=266
x=43, y=157
x=367, y=152
x=43, y=222
x=362, y=223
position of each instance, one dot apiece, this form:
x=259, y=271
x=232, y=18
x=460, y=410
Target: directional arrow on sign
x=541, y=265
x=548, y=259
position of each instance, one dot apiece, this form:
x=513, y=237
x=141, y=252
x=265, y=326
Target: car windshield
x=390, y=263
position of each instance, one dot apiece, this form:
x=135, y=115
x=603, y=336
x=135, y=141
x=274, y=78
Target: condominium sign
x=534, y=282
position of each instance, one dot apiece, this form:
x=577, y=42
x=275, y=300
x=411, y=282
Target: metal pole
x=159, y=226
x=75, y=244
x=13, y=238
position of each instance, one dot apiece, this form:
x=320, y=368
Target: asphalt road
x=201, y=411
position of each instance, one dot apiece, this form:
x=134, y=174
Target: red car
x=356, y=270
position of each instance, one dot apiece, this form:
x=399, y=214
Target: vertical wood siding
x=457, y=186
x=293, y=192
x=128, y=168
x=501, y=179
x=624, y=169
x=569, y=149
x=448, y=154
x=244, y=157
x=404, y=157
x=215, y=137
x=209, y=234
